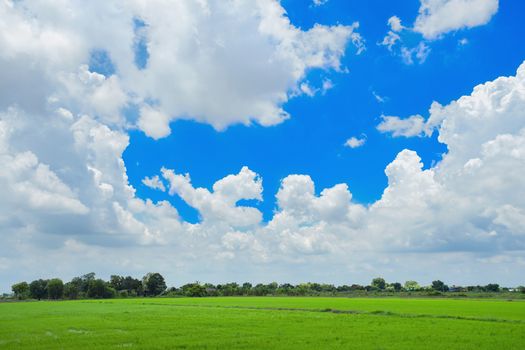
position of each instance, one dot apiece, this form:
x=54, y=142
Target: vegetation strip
x=349, y=312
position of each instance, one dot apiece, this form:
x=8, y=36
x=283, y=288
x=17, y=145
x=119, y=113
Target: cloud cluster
x=435, y=19
x=67, y=203
x=476, y=189
x=188, y=68
x=471, y=201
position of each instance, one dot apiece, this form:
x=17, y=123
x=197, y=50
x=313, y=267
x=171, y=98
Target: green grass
x=264, y=323
x=479, y=309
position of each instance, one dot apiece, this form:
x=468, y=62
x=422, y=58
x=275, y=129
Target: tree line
x=89, y=287
x=153, y=284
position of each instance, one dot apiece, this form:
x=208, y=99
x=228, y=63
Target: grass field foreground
x=264, y=323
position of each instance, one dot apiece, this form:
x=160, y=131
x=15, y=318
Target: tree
x=153, y=284
x=79, y=285
x=71, y=290
x=21, y=290
x=38, y=289
x=286, y=289
x=411, y=286
x=117, y=282
x=379, y=283
x=259, y=290
x=132, y=285
x=246, y=288
x=396, y=286
x=492, y=287
x=439, y=286
x=230, y=289
x=194, y=290
x=55, y=288
x=355, y=287
x=99, y=289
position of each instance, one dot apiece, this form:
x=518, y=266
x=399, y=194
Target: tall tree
x=71, y=290
x=99, y=289
x=379, y=283
x=132, y=285
x=411, y=286
x=38, y=289
x=396, y=286
x=55, y=288
x=117, y=282
x=439, y=286
x=21, y=290
x=153, y=284
x=492, y=287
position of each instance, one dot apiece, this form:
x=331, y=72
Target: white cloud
x=154, y=182
x=355, y=142
x=390, y=40
x=463, y=41
x=66, y=196
x=419, y=52
x=220, y=206
x=395, y=24
x=411, y=126
x=327, y=85
x=319, y=2
x=485, y=136
x=211, y=82
x=394, y=37
x=29, y=184
x=154, y=122
x=307, y=89
x=437, y=17
x=379, y=98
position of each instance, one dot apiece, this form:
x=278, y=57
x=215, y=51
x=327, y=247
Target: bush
x=434, y=293
x=194, y=290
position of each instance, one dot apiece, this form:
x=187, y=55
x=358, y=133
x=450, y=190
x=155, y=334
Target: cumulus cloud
x=220, y=206
x=212, y=81
x=479, y=174
x=468, y=207
x=66, y=196
x=437, y=17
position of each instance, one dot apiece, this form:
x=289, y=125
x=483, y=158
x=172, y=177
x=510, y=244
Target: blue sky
x=290, y=141
x=312, y=141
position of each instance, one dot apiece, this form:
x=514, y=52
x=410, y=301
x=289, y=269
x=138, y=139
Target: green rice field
x=264, y=323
